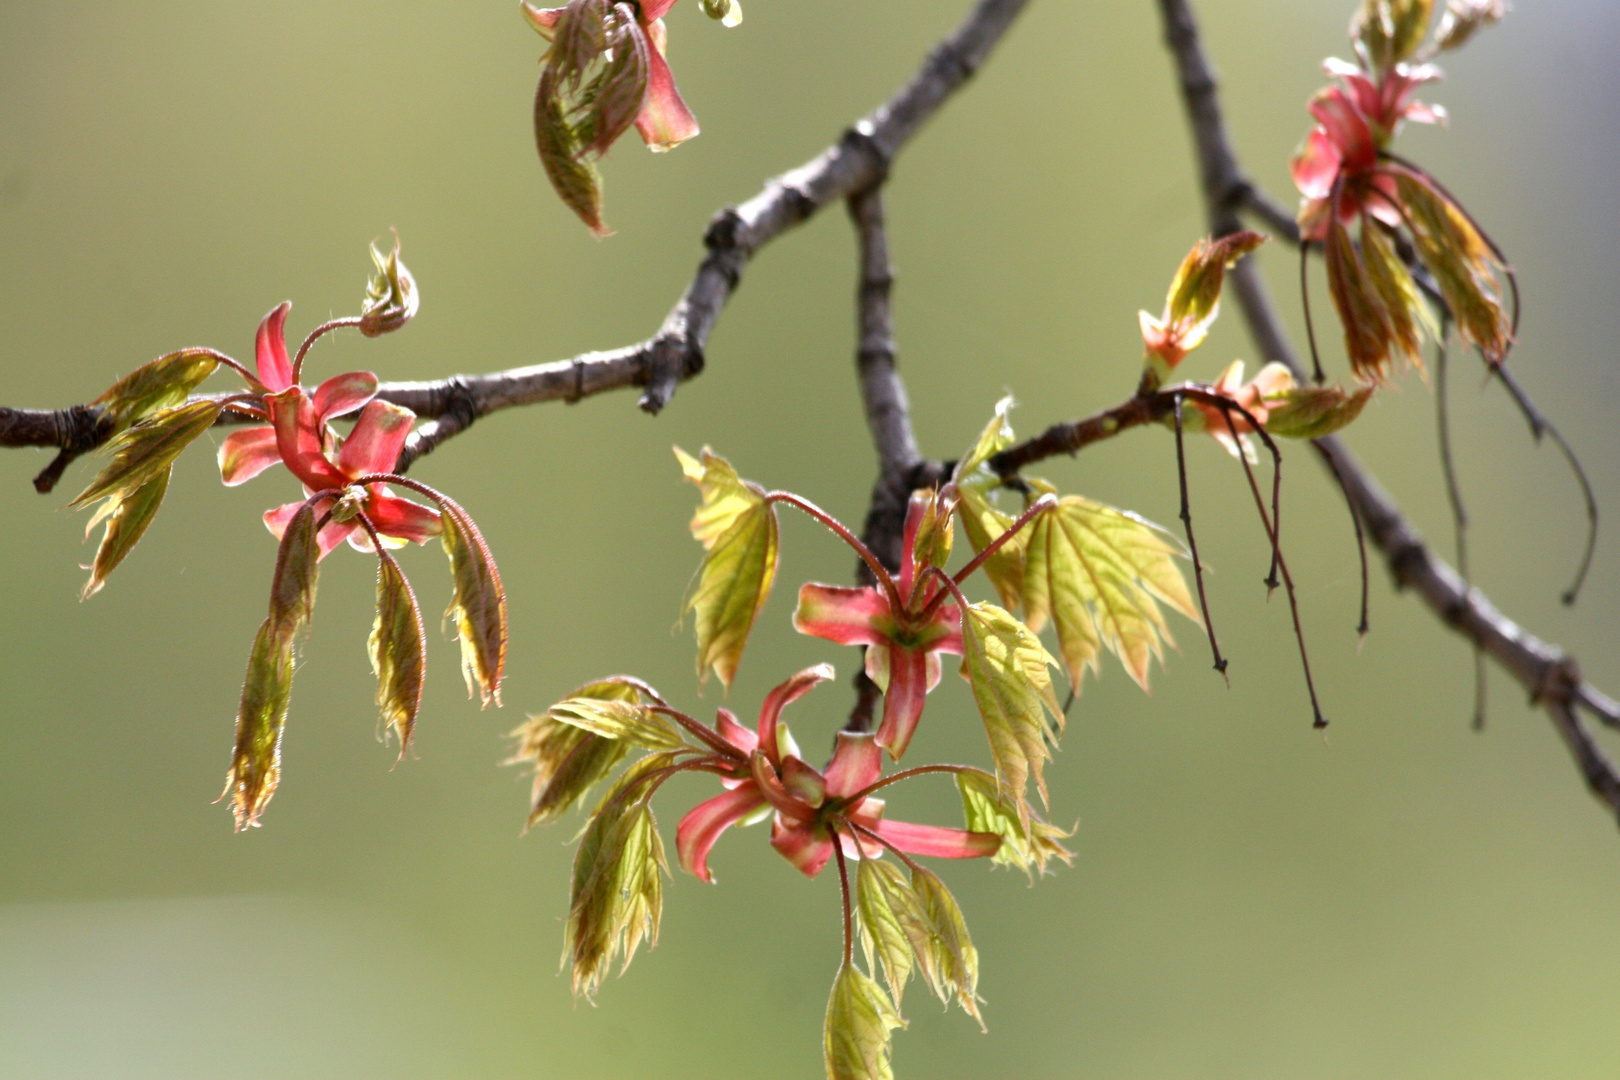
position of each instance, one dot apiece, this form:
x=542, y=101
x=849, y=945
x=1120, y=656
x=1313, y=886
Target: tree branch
x=860, y=159
x=1551, y=676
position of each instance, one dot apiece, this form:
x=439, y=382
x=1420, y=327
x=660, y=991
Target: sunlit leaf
x=1462, y=263
x=568, y=759
x=127, y=516
x=161, y=384
x=256, y=761
x=292, y=589
x=149, y=448
x=617, y=894
x=398, y=650
x=954, y=962
x=976, y=482
x=859, y=1019
x=391, y=296
x=932, y=544
x=1006, y=666
x=1310, y=412
x=895, y=931
x=1391, y=30
x=1192, y=304
x=1404, y=307
x=730, y=588
x=725, y=494
x=1368, y=337
x=624, y=721
x=478, y=606
x=1026, y=847
x=1099, y=574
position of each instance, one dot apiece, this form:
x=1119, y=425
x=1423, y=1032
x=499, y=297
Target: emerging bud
x=729, y=12
x=391, y=298
x=1389, y=31
x=1192, y=304
x=1463, y=17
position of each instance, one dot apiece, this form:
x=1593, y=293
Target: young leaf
x=731, y=587
x=127, y=516
x=932, y=544
x=725, y=494
x=893, y=924
x=983, y=523
x=1099, y=573
x=391, y=296
x=569, y=760
x=149, y=448
x=1006, y=667
x=398, y=650
x=954, y=960
x=1368, y=337
x=1404, y=307
x=478, y=606
x=292, y=589
x=161, y=384
x=1462, y=263
x=986, y=811
x=1310, y=412
x=622, y=721
x=617, y=895
x=859, y=1019
x=256, y=761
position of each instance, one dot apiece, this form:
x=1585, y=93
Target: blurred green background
x=1403, y=898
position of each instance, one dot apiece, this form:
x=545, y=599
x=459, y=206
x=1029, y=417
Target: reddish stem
x=709, y=738
x=907, y=774
x=872, y=562
x=849, y=911
x=994, y=546
x=314, y=336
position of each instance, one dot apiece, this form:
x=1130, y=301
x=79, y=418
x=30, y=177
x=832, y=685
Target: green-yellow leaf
x=569, y=760
x=725, y=494
x=625, y=721
x=730, y=588
x=292, y=589
x=895, y=931
x=161, y=384
x=1027, y=848
x=617, y=895
x=1462, y=263
x=1099, y=574
x=478, y=605
x=1408, y=313
x=976, y=484
x=1006, y=666
x=954, y=960
x=859, y=1019
x=398, y=650
x=256, y=761
x=148, y=448
x=996, y=437
x=1310, y=412
x=932, y=544
x=127, y=517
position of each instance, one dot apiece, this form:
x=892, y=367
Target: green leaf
x=1310, y=412
x=478, y=605
x=569, y=760
x=617, y=895
x=1005, y=665
x=976, y=485
x=997, y=436
x=1027, y=848
x=1195, y=291
x=266, y=692
x=1098, y=573
x=161, y=384
x=859, y=1019
x=1368, y=336
x=573, y=176
x=292, y=589
x=1462, y=263
x=893, y=924
x=1404, y=307
x=148, y=448
x=398, y=650
x=730, y=588
x=932, y=544
x=954, y=961
x=725, y=494
x=127, y=516
x=630, y=722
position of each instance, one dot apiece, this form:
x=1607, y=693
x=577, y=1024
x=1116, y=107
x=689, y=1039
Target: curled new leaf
x=895, y=930
x=725, y=494
x=1025, y=845
x=149, y=448
x=127, y=516
x=1391, y=30
x=1099, y=574
x=1310, y=412
x=859, y=1019
x=161, y=384
x=983, y=523
x=954, y=962
x=623, y=721
x=730, y=588
x=1463, y=18
x=478, y=606
x=1368, y=336
x=292, y=589
x=1006, y=666
x=932, y=544
x=391, y=297
x=617, y=894
x=256, y=761
x=1405, y=310
x=1192, y=304
x=398, y=650
x=568, y=759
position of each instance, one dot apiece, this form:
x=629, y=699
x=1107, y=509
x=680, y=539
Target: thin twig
x=1192, y=544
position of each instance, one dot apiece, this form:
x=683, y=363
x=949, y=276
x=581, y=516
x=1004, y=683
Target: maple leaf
x=1005, y=664
x=398, y=650
x=859, y=1019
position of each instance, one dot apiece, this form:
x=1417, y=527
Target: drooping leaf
x=292, y=589
x=859, y=1019
x=954, y=962
x=398, y=650
x=127, y=517
x=478, y=605
x=1310, y=412
x=623, y=721
x=1368, y=337
x=895, y=931
x=1463, y=265
x=1006, y=666
x=573, y=177
x=731, y=586
x=148, y=448
x=1027, y=848
x=266, y=692
x=1099, y=574
x=1404, y=307
x=617, y=895
x=976, y=483
x=725, y=494
x=151, y=388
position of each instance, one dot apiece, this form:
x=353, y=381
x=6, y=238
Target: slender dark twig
x=1332, y=465
x=1192, y=545
x=1459, y=511
x=1305, y=301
